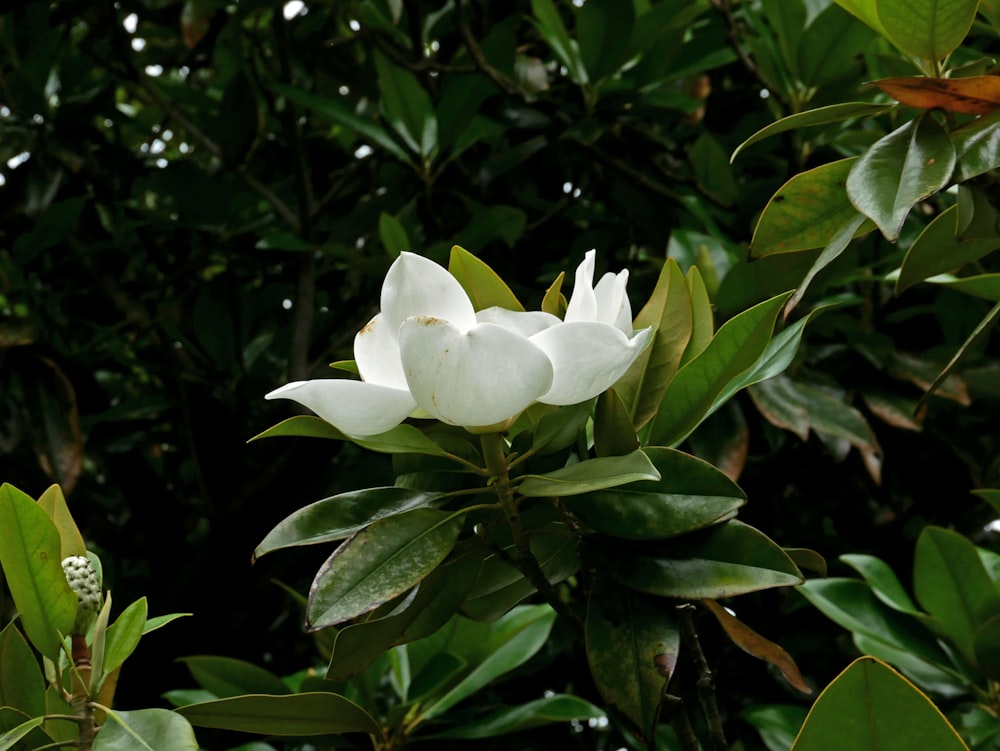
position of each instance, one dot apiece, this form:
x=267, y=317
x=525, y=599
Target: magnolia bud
x=83, y=580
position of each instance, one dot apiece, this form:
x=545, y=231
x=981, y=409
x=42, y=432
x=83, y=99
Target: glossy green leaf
x=981, y=330
x=407, y=107
x=991, y=496
x=977, y=146
x=30, y=557
x=553, y=30
x=870, y=707
x=145, y=730
x=159, y=621
x=491, y=650
x=833, y=113
x=402, y=439
x=908, y=165
x=930, y=29
x=690, y=494
x=702, y=317
x=614, y=434
x=807, y=559
x=883, y=582
x=311, y=713
x=54, y=503
x=392, y=234
x=378, y=563
x=335, y=111
x=986, y=644
x=124, y=634
x=937, y=250
x=557, y=708
x=727, y=560
x=340, y=516
x=480, y=282
x=851, y=604
x=589, y=475
x=712, y=171
x=226, y=676
x=976, y=219
x=778, y=724
x=692, y=394
x=13, y=736
x=943, y=680
x=806, y=211
x=985, y=286
x=603, y=30
x=633, y=642
x=561, y=427
x=669, y=311
x=437, y=599
x=951, y=583
x=21, y=684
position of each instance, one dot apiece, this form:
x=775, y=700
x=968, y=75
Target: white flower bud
x=83, y=580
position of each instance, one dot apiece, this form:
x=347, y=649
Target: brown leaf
x=750, y=641
x=975, y=95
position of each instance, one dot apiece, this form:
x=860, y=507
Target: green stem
x=524, y=560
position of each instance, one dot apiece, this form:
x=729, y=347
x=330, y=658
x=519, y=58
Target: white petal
x=479, y=377
x=612, y=302
x=525, y=323
x=376, y=351
x=583, y=303
x=587, y=359
x=416, y=286
x=355, y=407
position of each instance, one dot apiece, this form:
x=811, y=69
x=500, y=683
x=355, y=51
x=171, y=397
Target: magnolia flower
x=428, y=353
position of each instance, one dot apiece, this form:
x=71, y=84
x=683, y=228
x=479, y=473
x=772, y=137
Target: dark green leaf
x=378, y=563
x=402, y=439
x=977, y=146
x=614, y=434
x=407, y=107
x=145, y=730
x=833, y=250
x=21, y=684
x=226, y=676
x=883, y=582
x=588, y=475
x=314, y=713
x=340, y=516
x=603, y=30
x=778, y=724
x=557, y=708
x=392, y=234
x=551, y=26
x=908, y=165
x=987, y=648
x=830, y=46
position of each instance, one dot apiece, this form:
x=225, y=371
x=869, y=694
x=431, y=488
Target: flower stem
x=523, y=559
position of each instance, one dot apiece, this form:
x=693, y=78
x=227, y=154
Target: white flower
x=428, y=353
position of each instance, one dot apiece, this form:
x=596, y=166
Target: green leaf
x=690, y=494
x=980, y=331
x=159, y=621
x=951, y=583
x=986, y=644
x=727, y=560
x=851, y=604
x=632, y=644
x=552, y=29
x=21, y=684
x=908, y=165
x=311, y=713
x=669, y=311
x=480, y=282
x=407, y=107
x=30, y=557
x=937, y=250
x=870, y=707
x=54, y=503
x=588, y=475
x=930, y=29
x=702, y=319
x=830, y=46
x=341, y=516
x=392, y=234
x=806, y=211
x=491, y=650
x=11, y=738
x=378, y=563
x=402, y=439
x=691, y=396
x=557, y=708
x=864, y=10
x=145, y=730
x=614, y=434
x=833, y=113
x=778, y=724
x=603, y=30
x=561, y=427
x=437, y=599
x=991, y=496
x=124, y=634
x=977, y=146
x=986, y=286
x=883, y=582
x=711, y=170
x=333, y=110
x=226, y=676
x=833, y=250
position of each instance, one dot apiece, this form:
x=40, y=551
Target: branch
x=498, y=77
x=706, y=689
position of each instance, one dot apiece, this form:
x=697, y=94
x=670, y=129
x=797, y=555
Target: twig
x=706, y=689
x=498, y=77
x=734, y=37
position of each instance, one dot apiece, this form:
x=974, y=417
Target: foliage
x=199, y=199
